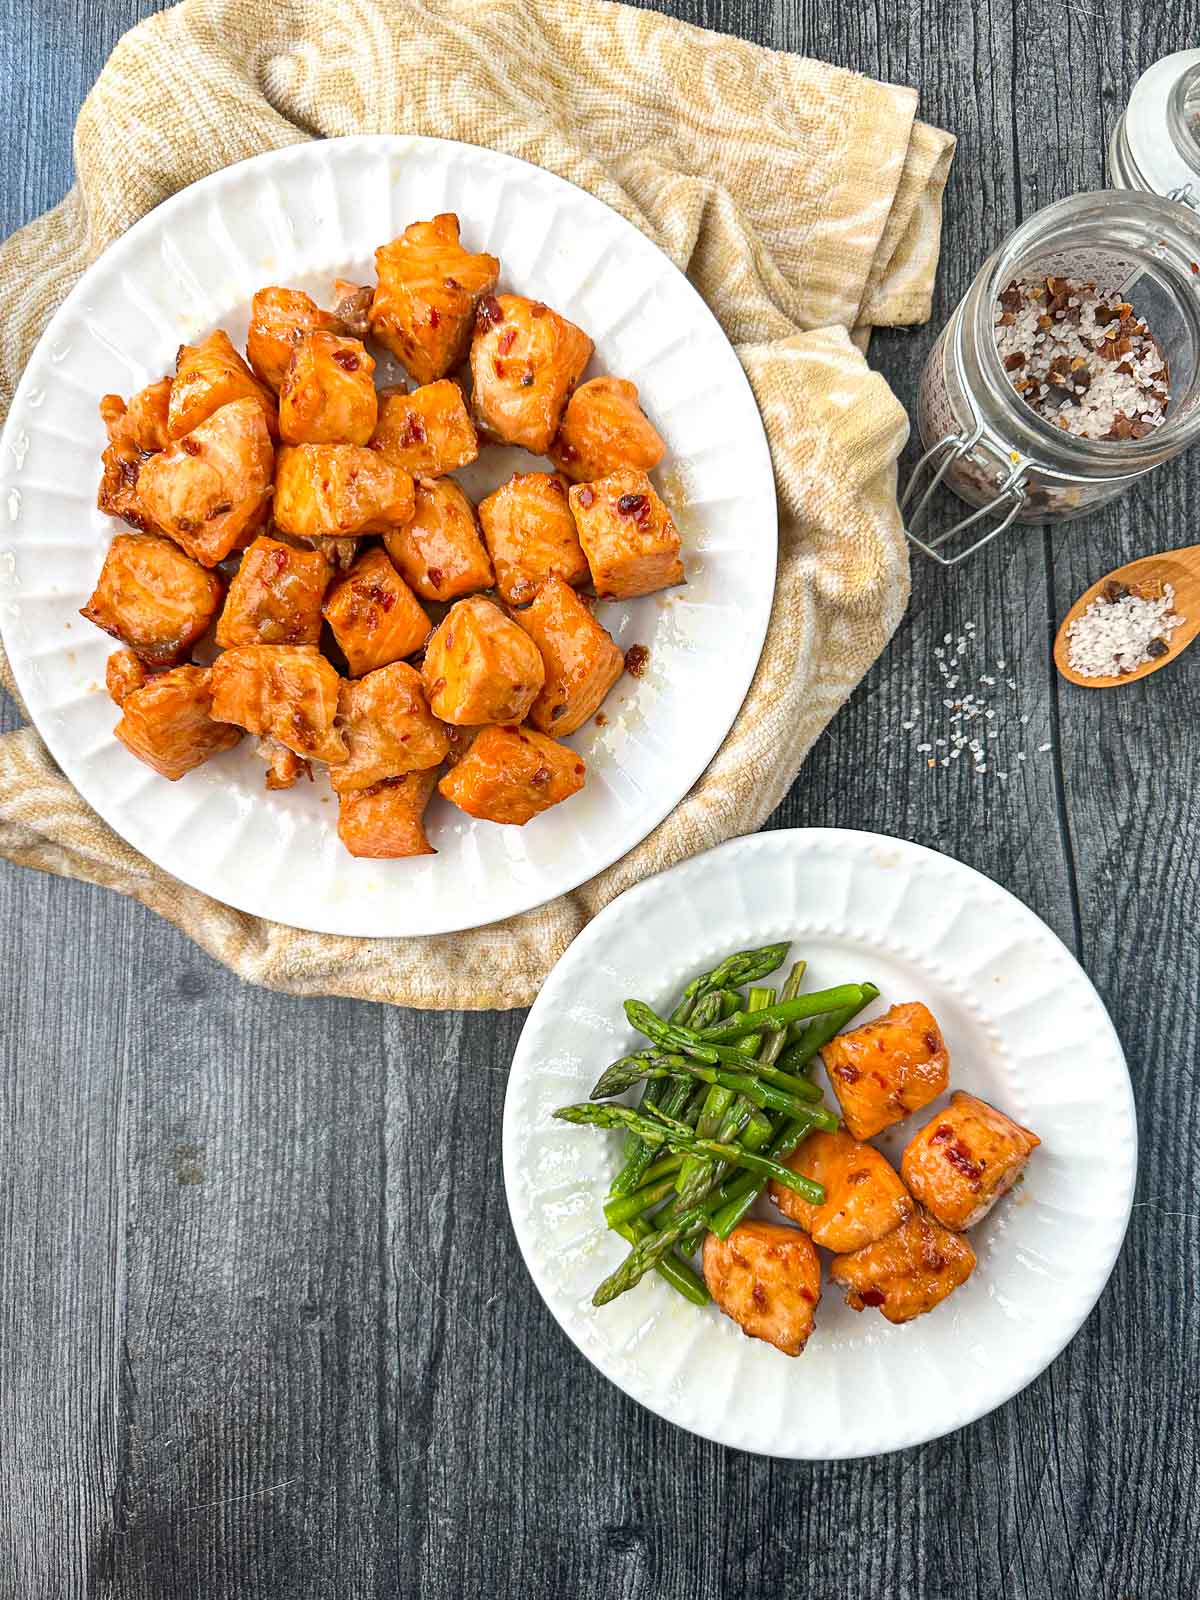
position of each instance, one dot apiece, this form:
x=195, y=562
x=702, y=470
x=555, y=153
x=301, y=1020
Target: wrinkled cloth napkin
x=803, y=201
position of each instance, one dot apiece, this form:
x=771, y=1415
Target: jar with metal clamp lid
x=1155, y=145
x=987, y=443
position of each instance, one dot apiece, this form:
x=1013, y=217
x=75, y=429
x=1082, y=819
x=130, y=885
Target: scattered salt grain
x=1121, y=630
x=995, y=722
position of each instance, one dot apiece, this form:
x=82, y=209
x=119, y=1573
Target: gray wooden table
x=263, y=1326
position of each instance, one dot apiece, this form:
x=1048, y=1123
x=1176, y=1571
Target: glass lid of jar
x=1161, y=129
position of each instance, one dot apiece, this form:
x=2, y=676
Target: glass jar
x=1155, y=146
x=992, y=449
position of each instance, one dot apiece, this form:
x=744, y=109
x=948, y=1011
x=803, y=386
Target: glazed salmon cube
x=287, y=691
x=135, y=431
x=864, y=1198
x=480, y=667
x=154, y=598
x=279, y=319
x=510, y=774
x=329, y=491
x=210, y=375
x=768, y=1279
x=427, y=432
x=388, y=728
x=887, y=1069
x=582, y=663
x=374, y=615
x=908, y=1272
x=211, y=487
x=385, y=822
x=961, y=1162
x=627, y=536
x=328, y=392
x=525, y=361
x=530, y=534
x=424, y=303
x=124, y=671
x=605, y=430
x=168, y=722
x=275, y=596
x=439, y=551
x=117, y=495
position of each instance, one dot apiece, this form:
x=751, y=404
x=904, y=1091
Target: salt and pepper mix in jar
x=1070, y=368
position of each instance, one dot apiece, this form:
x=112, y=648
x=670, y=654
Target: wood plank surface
x=264, y=1330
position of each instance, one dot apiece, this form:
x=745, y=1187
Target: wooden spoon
x=1179, y=568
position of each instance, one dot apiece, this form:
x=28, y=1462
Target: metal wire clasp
x=951, y=448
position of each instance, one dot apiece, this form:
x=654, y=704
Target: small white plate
x=302, y=216
x=1025, y=1030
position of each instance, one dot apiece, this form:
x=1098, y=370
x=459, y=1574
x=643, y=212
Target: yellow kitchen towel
x=803, y=201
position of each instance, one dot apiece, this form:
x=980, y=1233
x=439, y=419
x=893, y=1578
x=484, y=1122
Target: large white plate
x=1025, y=1029
x=300, y=216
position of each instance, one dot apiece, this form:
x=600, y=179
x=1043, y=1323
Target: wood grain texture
x=264, y=1331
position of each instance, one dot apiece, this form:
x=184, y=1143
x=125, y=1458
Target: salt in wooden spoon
x=1179, y=568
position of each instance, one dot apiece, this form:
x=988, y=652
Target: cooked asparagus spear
x=781, y=1015
x=680, y=1137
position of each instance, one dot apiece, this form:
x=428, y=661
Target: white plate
x=301, y=216
x=1025, y=1029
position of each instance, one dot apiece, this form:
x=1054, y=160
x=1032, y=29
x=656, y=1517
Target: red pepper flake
x=637, y=659
x=1194, y=267
x=541, y=777
x=632, y=505
x=847, y=1073
x=381, y=597
x=498, y=368
x=579, y=769
x=434, y=317
x=506, y=341
x=959, y=1158
x=586, y=497
x=490, y=311
x=434, y=575
x=414, y=431
x=189, y=447
x=932, y=1043
x=451, y=283
x=807, y=1294
x=871, y=1297
x=601, y=719
x=941, y=1133
x=347, y=360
